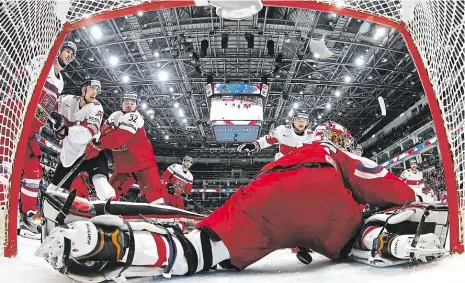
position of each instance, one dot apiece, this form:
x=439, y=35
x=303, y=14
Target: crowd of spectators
x=385, y=140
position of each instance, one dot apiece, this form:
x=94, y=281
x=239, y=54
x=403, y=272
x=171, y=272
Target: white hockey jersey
x=84, y=125
x=181, y=180
x=413, y=179
x=130, y=122
x=288, y=140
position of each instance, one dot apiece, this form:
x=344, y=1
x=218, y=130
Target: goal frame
x=456, y=244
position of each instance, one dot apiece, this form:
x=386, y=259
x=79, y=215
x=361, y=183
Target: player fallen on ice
x=123, y=132
x=77, y=123
x=308, y=198
x=11, y=109
x=289, y=137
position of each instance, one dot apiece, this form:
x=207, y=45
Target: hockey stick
x=71, y=171
x=199, y=206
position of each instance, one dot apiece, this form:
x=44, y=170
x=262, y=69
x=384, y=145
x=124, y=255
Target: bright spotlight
x=176, y=105
x=359, y=61
x=337, y=93
x=96, y=32
x=125, y=79
x=296, y=105
x=162, y=76
x=113, y=60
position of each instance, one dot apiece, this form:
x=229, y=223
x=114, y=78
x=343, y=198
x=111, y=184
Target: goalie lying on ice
x=309, y=198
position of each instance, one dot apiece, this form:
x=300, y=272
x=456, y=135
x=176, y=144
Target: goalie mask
x=336, y=134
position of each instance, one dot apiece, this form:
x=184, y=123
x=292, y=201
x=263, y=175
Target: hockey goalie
x=279, y=209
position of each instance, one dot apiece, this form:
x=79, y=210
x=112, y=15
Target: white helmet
x=130, y=96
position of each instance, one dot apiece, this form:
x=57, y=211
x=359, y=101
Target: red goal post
x=38, y=28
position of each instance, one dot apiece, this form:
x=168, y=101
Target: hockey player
x=123, y=132
x=278, y=209
x=414, y=179
x=11, y=108
x=289, y=137
x=177, y=182
x=358, y=150
x=77, y=122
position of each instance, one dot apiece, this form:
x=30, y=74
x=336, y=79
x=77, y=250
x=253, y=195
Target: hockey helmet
x=301, y=113
x=413, y=161
x=70, y=45
x=130, y=96
x=359, y=148
x=334, y=133
x=92, y=82
x=187, y=161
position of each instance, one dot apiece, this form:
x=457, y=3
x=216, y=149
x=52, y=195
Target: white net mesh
x=29, y=29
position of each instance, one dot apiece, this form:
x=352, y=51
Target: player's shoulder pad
x=96, y=102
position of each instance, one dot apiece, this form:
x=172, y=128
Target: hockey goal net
x=432, y=29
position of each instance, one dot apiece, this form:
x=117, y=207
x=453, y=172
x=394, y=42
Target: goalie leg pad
x=415, y=232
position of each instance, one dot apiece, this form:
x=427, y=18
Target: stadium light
x=162, y=76
x=144, y=105
x=337, y=93
x=113, y=60
x=125, y=79
x=359, y=61
x=96, y=32
x=176, y=105
x=328, y=105
x=296, y=105
x=167, y=137
x=156, y=54
x=171, y=89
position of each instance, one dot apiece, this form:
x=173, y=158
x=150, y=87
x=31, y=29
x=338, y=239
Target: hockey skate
x=416, y=233
x=29, y=225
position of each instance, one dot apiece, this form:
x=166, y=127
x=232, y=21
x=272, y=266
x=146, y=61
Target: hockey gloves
x=57, y=123
x=107, y=129
x=252, y=147
x=170, y=188
x=92, y=150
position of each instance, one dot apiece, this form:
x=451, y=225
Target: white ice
x=281, y=266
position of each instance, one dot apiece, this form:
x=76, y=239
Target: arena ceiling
x=165, y=56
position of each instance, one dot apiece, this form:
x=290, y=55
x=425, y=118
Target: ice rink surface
x=281, y=266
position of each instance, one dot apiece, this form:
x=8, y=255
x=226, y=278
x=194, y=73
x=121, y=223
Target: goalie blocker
x=107, y=247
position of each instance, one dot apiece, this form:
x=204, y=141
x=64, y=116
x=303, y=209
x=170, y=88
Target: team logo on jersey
x=46, y=105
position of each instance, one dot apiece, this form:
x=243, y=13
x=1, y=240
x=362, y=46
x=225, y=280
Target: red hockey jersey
x=368, y=181
x=180, y=179
x=132, y=150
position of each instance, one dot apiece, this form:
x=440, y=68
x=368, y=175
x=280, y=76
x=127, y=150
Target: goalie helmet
x=334, y=133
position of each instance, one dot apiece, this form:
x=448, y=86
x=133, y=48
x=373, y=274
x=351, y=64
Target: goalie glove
x=252, y=147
